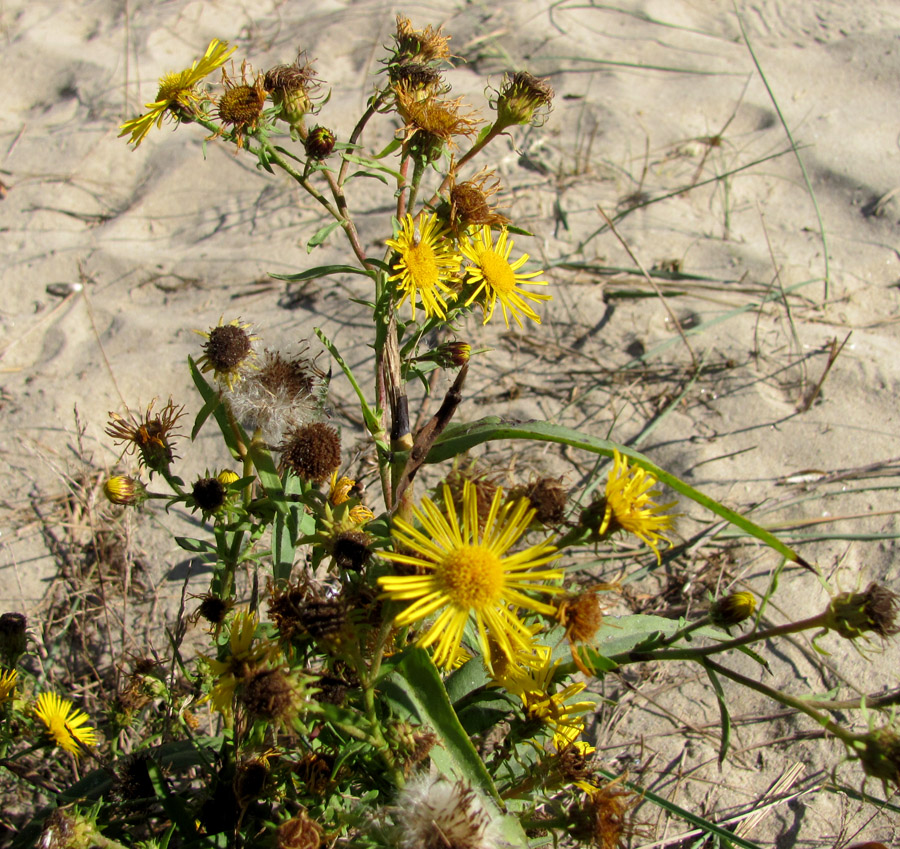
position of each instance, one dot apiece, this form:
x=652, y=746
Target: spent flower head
x=293, y=88
x=312, y=452
x=150, y=436
x=228, y=351
x=853, y=615
x=470, y=202
x=177, y=96
x=426, y=45
x=468, y=572
x=522, y=99
x=13, y=638
x=434, y=812
x=241, y=105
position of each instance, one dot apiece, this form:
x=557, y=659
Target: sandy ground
x=112, y=258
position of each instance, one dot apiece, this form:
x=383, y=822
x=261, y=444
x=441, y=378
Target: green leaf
x=197, y=546
x=321, y=235
x=455, y=441
x=205, y=411
x=323, y=271
x=414, y=689
x=284, y=533
x=371, y=163
x=724, y=715
x=619, y=635
x=380, y=177
x=268, y=476
x=211, y=397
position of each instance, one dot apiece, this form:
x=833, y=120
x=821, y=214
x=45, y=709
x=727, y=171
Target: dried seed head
x=209, y=495
x=292, y=88
x=269, y=694
x=523, y=99
x=250, y=780
x=133, y=778
x=416, y=77
x=604, y=819
x=299, y=832
x=483, y=486
x=351, y=550
x=214, y=609
x=547, y=496
x=470, y=202
x=312, y=452
x=435, y=813
x=439, y=119
x=13, y=638
x=581, y=615
x=319, y=143
x=879, y=754
x=67, y=828
x=855, y=614
x=732, y=609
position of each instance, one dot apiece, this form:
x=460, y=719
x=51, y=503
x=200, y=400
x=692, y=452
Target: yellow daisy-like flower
x=496, y=278
x=66, y=725
x=7, y=684
x=426, y=262
x=177, y=90
x=629, y=505
x=468, y=572
x=243, y=657
x=553, y=710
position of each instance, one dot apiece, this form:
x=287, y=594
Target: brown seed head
x=227, y=347
x=604, y=819
x=299, y=832
x=581, y=615
x=485, y=489
x=270, y=694
x=547, y=496
x=209, y=495
x=250, y=780
x=214, y=609
x=292, y=88
x=470, y=202
x=13, y=638
x=312, y=451
x=440, y=119
x=352, y=550
x=417, y=77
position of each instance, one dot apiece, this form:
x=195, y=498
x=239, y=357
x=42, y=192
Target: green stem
x=783, y=698
x=705, y=651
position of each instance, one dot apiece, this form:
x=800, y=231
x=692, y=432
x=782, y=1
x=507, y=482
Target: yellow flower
x=496, y=278
x=468, y=573
x=66, y=725
x=241, y=661
x=426, y=262
x=553, y=710
x=7, y=684
x=629, y=505
x=176, y=90
x=339, y=489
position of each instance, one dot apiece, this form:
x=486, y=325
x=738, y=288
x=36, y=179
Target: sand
x=114, y=257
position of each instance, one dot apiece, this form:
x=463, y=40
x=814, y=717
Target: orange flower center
x=495, y=269
x=472, y=576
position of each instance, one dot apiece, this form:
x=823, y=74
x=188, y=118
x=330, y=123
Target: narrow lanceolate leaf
x=456, y=440
x=724, y=715
x=323, y=271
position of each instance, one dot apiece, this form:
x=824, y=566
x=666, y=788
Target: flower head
x=150, y=436
x=312, y=451
x=177, y=92
x=427, y=45
x=124, y=490
x=292, y=88
x=319, y=143
x=523, y=98
x=555, y=710
x=496, y=278
x=66, y=725
x=855, y=614
x=426, y=262
x=628, y=506
x=470, y=202
x=548, y=497
x=13, y=638
x=434, y=812
x=468, y=572
x=732, y=609
x=7, y=684
x=228, y=351
x=440, y=120
x=241, y=104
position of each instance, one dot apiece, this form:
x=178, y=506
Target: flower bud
x=879, y=754
x=227, y=477
x=732, y=609
x=124, y=490
x=319, y=143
